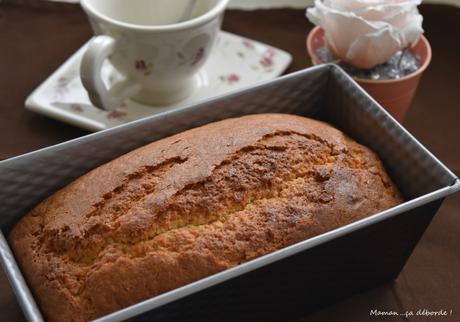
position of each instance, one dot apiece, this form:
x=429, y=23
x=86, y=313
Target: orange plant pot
x=395, y=95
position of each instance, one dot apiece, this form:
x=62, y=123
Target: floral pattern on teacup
x=143, y=66
x=198, y=56
x=192, y=61
x=248, y=61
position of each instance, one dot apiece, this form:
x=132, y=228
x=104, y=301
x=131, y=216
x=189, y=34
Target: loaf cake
x=191, y=205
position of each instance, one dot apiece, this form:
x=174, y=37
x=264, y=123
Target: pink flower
x=115, y=115
x=248, y=44
x=267, y=58
x=198, y=56
x=230, y=78
x=140, y=64
x=269, y=53
x=266, y=61
x=233, y=78
x=76, y=108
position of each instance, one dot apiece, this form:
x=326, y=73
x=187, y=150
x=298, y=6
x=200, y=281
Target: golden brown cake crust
x=191, y=205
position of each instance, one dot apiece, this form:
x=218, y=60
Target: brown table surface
x=35, y=41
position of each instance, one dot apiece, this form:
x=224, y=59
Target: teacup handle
x=99, y=48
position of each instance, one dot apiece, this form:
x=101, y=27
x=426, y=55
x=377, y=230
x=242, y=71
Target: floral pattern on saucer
x=246, y=62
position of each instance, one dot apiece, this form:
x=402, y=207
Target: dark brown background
x=34, y=41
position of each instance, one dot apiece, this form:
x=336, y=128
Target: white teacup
x=145, y=40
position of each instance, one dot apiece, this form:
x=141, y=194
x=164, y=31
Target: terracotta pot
x=395, y=95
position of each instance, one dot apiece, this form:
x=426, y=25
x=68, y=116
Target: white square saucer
x=234, y=63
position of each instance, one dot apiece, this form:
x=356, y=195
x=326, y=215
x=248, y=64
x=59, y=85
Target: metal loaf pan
x=288, y=282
